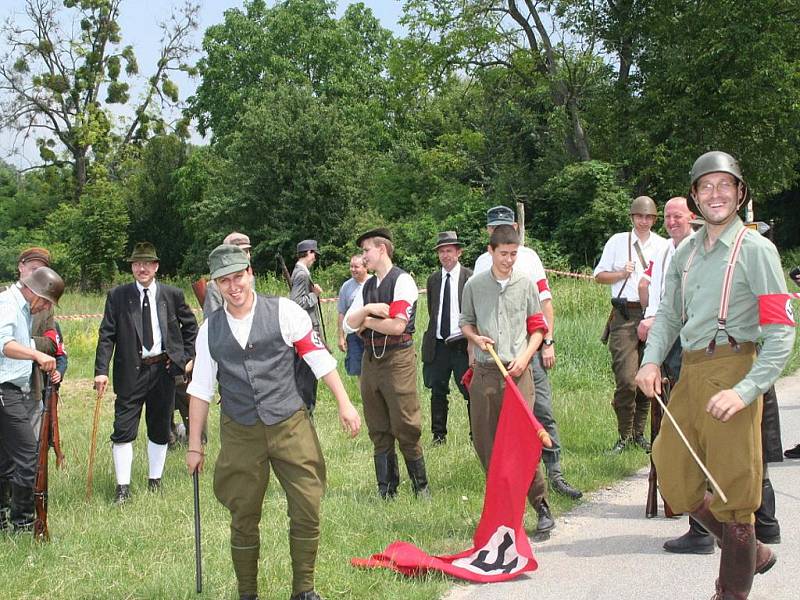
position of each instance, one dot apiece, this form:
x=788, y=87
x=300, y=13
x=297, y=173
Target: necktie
x=444, y=317
x=147, y=324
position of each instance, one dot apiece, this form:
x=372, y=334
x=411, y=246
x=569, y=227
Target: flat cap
x=226, y=259
x=379, y=232
x=499, y=215
x=307, y=245
x=35, y=253
x=237, y=239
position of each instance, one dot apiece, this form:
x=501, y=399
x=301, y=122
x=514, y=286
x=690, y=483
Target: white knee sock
x=156, y=457
x=123, y=459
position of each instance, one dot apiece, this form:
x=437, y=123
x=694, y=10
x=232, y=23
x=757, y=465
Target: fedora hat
x=143, y=252
x=447, y=238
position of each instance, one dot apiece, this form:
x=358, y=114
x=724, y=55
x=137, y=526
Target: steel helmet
x=45, y=283
x=644, y=205
x=715, y=162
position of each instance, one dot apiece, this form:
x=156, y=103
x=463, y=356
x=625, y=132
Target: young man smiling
x=501, y=308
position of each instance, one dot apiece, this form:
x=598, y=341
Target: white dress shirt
x=619, y=251
x=152, y=290
x=455, y=309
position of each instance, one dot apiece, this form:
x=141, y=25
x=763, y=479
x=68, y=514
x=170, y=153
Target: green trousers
x=630, y=405
x=731, y=451
x=291, y=448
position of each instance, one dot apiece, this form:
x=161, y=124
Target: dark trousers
x=17, y=441
x=447, y=361
x=543, y=410
x=155, y=392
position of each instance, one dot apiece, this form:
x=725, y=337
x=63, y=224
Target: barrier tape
x=568, y=274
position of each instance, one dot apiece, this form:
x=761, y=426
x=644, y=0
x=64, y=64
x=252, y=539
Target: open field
x=145, y=549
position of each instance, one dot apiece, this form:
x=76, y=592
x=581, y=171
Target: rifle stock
x=55, y=433
x=199, y=289
x=40, y=532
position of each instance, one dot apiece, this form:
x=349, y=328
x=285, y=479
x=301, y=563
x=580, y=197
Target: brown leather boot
x=738, y=563
x=765, y=558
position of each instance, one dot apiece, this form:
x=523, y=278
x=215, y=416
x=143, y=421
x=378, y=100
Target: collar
x=249, y=315
x=726, y=238
x=16, y=292
x=454, y=272
x=635, y=237
x=151, y=288
x=301, y=266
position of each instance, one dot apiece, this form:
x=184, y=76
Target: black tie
x=444, y=317
x=147, y=324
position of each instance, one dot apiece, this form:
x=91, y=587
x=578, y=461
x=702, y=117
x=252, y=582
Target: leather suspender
x=725, y=295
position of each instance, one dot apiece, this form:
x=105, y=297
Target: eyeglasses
x=723, y=187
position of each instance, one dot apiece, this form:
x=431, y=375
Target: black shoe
x=248, y=596
x=621, y=444
x=562, y=487
x=439, y=440
x=5, y=504
x=122, y=495
x=546, y=523
x=768, y=538
x=642, y=442
x=154, y=485
x=419, y=478
x=22, y=508
x=793, y=452
x=691, y=543
x=311, y=595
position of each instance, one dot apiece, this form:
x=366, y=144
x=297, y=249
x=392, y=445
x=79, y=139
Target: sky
x=139, y=22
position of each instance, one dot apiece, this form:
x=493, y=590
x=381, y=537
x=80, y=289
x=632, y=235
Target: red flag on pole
x=501, y=549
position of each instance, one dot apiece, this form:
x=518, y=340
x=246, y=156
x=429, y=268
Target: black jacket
x=121, y=333
x=434, y=286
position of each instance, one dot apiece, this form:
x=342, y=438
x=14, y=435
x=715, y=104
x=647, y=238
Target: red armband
x=466, y=379
x=309, y=343
x=648, y=272
x=537, y=322
x=543, y=285
x=400, y=308
x=776, y=309
x=53, y=335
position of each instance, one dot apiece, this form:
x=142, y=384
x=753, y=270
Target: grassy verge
x=145, y=549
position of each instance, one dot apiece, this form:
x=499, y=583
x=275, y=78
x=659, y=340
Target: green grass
x=144, y=550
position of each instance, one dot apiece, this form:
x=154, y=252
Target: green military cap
x=143, y=252
x=226, y=259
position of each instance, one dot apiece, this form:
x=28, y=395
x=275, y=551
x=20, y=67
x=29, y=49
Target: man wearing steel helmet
x=34, y=293
x=626, y=256
x=722, y=288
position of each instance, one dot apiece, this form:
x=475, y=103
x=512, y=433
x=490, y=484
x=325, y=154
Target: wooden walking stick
x=198, y=563
x=696, y=458
x=93, y=443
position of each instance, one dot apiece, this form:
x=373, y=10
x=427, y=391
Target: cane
x=696, y=458
x=198, y=563
x=93, y=443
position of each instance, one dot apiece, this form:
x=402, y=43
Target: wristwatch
x=548, y=341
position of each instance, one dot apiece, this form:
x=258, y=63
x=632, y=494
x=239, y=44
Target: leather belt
x=634, y=304
x=10, y=386
x=151, y=360
x=391, y=340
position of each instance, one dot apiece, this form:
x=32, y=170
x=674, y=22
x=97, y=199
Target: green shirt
x=758, y=272
x=500, y=313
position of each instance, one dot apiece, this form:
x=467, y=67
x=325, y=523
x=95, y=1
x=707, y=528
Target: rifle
x=48, y=425
x=199, y=289
x=656, y=414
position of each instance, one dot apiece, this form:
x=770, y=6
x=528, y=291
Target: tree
x=57, y=85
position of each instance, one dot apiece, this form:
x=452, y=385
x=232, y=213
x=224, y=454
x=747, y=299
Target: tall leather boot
x=394, y=474
x=382, y=474
x=419, y=478
x=768, y=530
x=22, y=509
x=737, y=565
x=765, y=558
x=5, y=504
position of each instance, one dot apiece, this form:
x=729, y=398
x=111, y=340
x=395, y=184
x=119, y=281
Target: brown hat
x=447, y=238
x=237, y=239
x=35, y=253
x=143, y=252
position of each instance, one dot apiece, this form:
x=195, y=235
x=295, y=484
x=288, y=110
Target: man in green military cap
x=150, y=331
x=248, y=347
x=724, y=291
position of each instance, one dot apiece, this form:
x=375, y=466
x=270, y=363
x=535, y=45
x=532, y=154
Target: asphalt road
x=606, y=549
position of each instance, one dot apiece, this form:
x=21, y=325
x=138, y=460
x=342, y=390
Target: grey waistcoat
x=256, y=382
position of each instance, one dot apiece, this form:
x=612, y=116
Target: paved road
x=607, y=550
